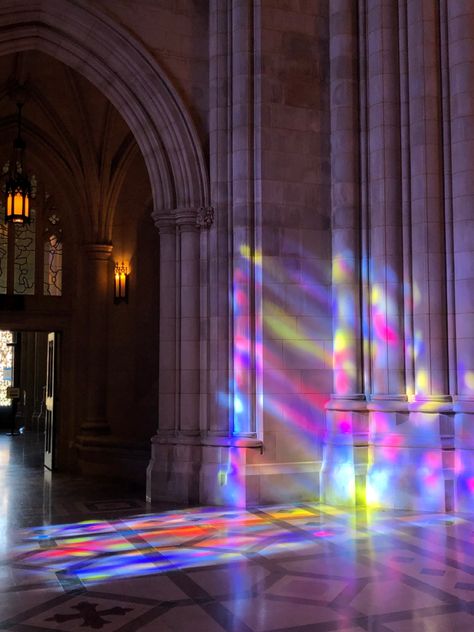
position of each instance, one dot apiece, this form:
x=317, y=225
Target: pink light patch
x=240, y=298
x=345, y=427
x=383, y=330
x=431, y=480
x=389, y=453
x=342, y=383
x=396, y=440
x=322, y=534
x=432, y=460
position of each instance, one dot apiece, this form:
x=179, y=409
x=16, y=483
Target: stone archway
x=87, y=40
x=81, y=36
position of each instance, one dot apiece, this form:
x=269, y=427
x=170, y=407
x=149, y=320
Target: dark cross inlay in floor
x=91, y=617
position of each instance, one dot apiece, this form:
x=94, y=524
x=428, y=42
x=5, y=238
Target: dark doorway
x=23, y=385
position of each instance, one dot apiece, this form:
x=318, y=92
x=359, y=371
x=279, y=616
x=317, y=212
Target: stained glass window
x=3, y=256
x=6, y=365
x=25, y=255
x=53, y=265
x=31, y=255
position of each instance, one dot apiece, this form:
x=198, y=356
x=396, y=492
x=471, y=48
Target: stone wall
x=175, y=32
x=398, y=435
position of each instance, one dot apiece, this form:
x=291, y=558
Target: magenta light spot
x=345, y=427
x=383, y=330
x=342, y=383
x=431, y=460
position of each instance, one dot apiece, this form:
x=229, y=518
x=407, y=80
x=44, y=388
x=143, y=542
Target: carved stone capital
x=205, y=217
x=184, y=218
x=164, y=221
x=99, y=252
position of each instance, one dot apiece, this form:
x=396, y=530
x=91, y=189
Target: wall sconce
x=121, y=275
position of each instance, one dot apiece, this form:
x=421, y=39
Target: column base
x=346, y=453
x=112, y=458
x=95, y=427
x=227, y=472
x=394, y=455
x=173, y=471
x=463, y=454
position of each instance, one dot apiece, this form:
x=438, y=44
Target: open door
x=50, y=400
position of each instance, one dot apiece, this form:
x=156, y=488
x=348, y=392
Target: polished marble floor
x=80, y=556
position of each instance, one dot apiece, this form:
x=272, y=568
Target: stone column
x=427, y=212
x=407, y=245
x=460, y=35
x=461, y=86
x=383, y=245
x=160, y=482
x=99, y=293
x=173, y=472
x=343, y=475
x=426, y=462
x=220, y=280
x=384, y=188
x=345, y=200
x=168, y=350
x=189, y=313
x=245, y=257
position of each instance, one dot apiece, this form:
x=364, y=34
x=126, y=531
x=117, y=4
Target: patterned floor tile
x=183, y=619
x=15, y=604
x=234, y=580
x=157, y=587
x=319, y=589
x=82, y=556
x=280, y=613
x=455, y=622
x=382, y=597
x=334, y=565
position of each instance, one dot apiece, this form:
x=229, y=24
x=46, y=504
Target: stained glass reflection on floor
x=108, y=560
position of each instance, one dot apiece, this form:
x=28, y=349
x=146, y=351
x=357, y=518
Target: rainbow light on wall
x=296, y=352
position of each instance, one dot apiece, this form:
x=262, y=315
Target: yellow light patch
x=376, y=294
x=469, y=379
x=421, y=381
x=340, y=340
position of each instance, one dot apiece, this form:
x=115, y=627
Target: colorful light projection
x=96, y=551
x=405, y=459
x=344, y=310
x=295, y=347
x=294, y=358
x=464, y=439
x=284, y=376
x=93, y=552
x=244, y=361
x=399, y=462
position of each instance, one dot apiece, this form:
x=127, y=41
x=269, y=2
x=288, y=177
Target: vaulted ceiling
x=76, y=140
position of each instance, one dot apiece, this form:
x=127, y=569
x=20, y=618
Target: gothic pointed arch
x=84, y=38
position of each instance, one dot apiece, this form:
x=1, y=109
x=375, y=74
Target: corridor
x=78, y=554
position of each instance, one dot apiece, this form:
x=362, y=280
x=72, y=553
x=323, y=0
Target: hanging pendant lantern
x=18, y=186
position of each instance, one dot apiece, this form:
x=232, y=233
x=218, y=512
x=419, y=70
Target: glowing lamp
x=121, y=283
x=17, y=186
x=17, y=206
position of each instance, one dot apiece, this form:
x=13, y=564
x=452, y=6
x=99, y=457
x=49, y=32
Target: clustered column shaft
x=99, y=293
